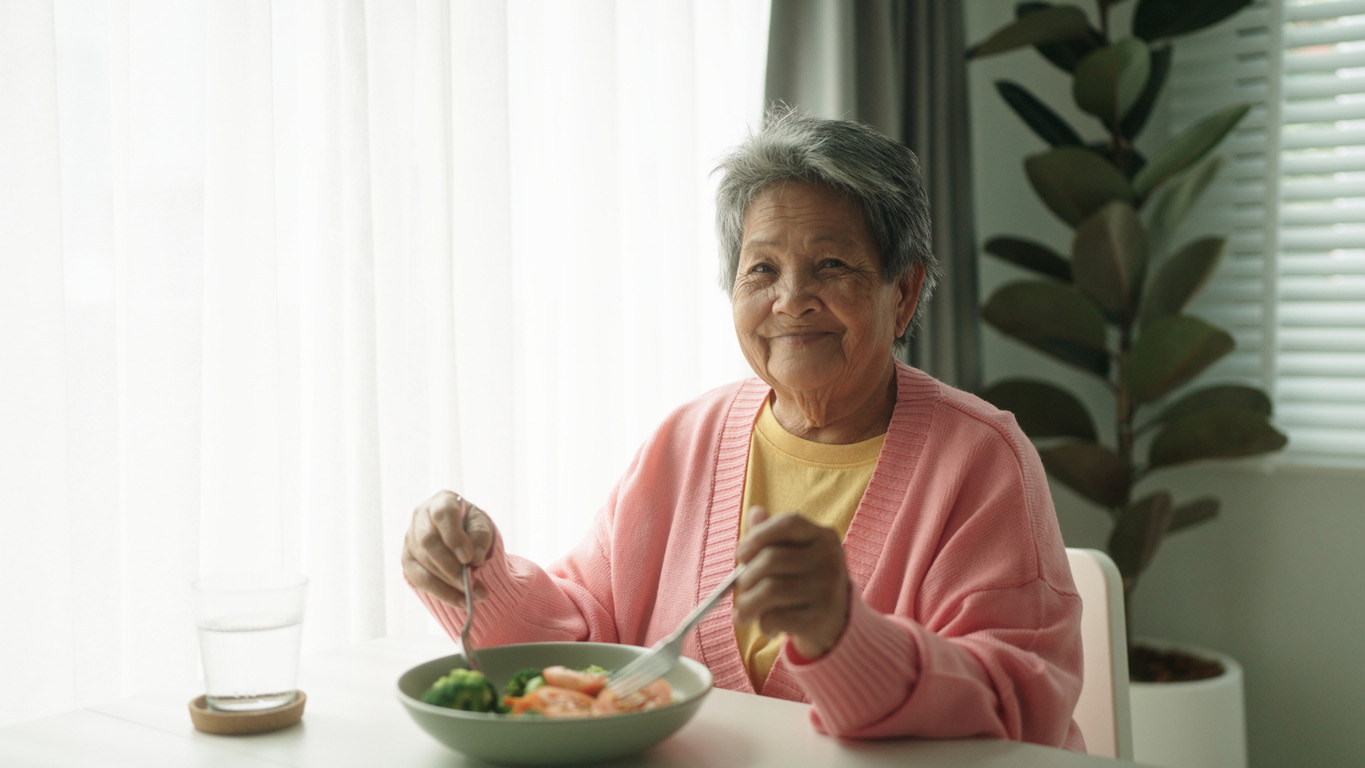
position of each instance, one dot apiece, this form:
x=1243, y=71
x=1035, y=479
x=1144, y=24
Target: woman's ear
x=909, y=286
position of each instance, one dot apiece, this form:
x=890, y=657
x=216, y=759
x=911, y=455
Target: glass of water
x=249, y=629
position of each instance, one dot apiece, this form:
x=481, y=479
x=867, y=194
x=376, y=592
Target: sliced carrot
x=552, y=701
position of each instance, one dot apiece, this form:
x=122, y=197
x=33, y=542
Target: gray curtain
x=899, y=66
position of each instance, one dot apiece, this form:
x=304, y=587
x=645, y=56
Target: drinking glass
x=249, y=629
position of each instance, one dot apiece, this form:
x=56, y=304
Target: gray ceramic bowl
x=517, y=741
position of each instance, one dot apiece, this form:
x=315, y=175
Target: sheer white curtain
x=273, y=272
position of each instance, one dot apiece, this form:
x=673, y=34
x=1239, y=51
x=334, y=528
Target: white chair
x=1102, y=711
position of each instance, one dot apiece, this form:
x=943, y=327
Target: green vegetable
x=464, y=689
x=472, y=692
x=525, y=681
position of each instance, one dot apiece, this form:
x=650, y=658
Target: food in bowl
x=537, y=740
x=553, y=691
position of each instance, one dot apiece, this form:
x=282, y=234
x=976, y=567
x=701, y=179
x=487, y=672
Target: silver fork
x=664, y=654
x=470, y=656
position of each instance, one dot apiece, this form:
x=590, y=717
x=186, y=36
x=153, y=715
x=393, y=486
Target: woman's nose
x=796, y=295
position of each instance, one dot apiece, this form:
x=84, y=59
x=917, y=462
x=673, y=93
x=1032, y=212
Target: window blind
x=1292, y=201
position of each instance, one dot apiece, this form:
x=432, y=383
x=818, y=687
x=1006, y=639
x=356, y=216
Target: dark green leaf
x=1109, y=257
x=1055, y=319
x=1042, y=409
x=1129, y=161
x=1075, y=182
x=1081, y=356
x=1049, y=25
x=1110, y=80
x=1138, y=532
x=1037, y=115
x=1030, y=255
x=1091, y=470
x=1135, y=119
x=1170, y=352
x=1155, y=19
x=1187, y=148
x=1218, y=433
x=1193, y=513
x=1180, y=277
x=1064, y=54
x=1238, y=396
x=1179, y=197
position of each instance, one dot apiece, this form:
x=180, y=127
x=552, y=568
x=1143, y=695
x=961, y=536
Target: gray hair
x=880, y=174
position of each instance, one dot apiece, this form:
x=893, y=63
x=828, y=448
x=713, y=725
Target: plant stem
x=1121, y=155
x=1124, y=429
x=1124, y=402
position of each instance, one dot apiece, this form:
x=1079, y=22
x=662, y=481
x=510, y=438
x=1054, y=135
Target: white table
x=354, y=719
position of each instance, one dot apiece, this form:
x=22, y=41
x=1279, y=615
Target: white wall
x=1277, y=580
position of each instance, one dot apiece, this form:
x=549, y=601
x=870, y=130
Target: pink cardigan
x=964, y=620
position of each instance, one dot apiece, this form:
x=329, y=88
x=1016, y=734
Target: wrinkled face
x=812, y=311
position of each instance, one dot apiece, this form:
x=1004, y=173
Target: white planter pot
x=1197, y=724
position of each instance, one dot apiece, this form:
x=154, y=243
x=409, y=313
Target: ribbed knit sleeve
x=526, y=603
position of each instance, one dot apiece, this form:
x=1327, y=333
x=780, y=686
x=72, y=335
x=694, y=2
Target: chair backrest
x=1103, y=711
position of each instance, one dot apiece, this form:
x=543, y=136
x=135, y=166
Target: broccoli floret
x=463, y=689
x=525, y=681
x=595, y=669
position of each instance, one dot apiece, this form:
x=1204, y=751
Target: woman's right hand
x=447, y=532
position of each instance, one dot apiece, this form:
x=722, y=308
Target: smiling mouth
x=801, y=337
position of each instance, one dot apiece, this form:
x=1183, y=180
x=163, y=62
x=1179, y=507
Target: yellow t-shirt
x=821, y=482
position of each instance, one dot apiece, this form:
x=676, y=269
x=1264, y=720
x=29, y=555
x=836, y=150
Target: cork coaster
x=241, y=723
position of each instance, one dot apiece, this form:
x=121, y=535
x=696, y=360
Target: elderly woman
x=906, y=573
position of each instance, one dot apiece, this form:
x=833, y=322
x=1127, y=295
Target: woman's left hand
x=796, y=582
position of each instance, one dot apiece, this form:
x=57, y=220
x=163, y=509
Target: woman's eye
x=833, y=263
x=761, y=268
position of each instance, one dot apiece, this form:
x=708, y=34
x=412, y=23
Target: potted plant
x=1115, y=306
